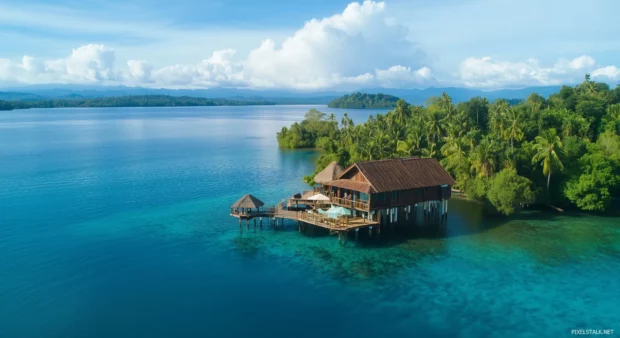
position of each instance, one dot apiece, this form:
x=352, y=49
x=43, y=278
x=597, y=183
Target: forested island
x=563, y=150
x=130, y=101
x=4, y=105
x=361, y=101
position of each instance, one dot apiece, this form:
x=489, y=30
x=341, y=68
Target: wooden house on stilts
x=386, y=190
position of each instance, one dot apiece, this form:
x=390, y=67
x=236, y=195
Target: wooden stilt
x=370, y=231
x=357, y=232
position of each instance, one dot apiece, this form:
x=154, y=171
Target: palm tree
x=431, y=151
x=445, y=104
x=400, y=113
x=574, y=124
x=433, y=125
x=403, y=148
x=497, y=116
x=455, y=157
x=472, y=137
x=411, y=144
x=612, y=119
x=514, y=132
x=347, y=129
x=484, y=157
x=548, y=147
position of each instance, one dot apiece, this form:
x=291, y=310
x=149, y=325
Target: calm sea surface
x=115, y=223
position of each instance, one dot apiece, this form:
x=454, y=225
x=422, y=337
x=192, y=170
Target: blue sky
x=406, y=44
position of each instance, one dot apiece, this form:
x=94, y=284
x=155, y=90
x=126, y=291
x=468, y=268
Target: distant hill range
x=128, y=101
x=413, y=96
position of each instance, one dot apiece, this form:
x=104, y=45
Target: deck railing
x=318, y=219
x=263, y=212
x=253, y=213
x=349, y=203
x=331, y=223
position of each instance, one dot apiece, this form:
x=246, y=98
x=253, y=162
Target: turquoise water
x=114, y=223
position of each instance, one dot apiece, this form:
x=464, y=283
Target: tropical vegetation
x=360, y=101
x=562, y=150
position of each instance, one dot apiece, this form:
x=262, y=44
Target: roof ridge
x=394, y=159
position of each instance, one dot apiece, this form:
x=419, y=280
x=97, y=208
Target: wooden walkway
x=323, y=221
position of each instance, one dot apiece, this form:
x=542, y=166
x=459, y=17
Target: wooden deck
x=349, y=203
x=333, y=224
x=343, y=202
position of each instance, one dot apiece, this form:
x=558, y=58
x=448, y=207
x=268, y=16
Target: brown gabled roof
x=248, y=201
x=403, y=173
x=352, y=185
x=330, y=173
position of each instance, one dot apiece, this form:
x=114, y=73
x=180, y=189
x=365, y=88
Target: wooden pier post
x=357, y=232
x=370, y=231
x=440, y=208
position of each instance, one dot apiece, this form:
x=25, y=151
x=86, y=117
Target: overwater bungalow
x=370, y=193
x=247, y=206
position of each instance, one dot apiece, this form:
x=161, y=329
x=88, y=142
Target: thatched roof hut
x=248, y=202
x=330, y=173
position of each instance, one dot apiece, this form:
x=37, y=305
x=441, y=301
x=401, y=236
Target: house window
x=363, y=196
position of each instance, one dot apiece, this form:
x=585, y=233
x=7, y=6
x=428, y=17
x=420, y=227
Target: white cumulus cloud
x=486, y=72
x=351, y=49
x=86, y=64
x=345, y=47
x=361, y=47
x=401, y=76
x=609, y=72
